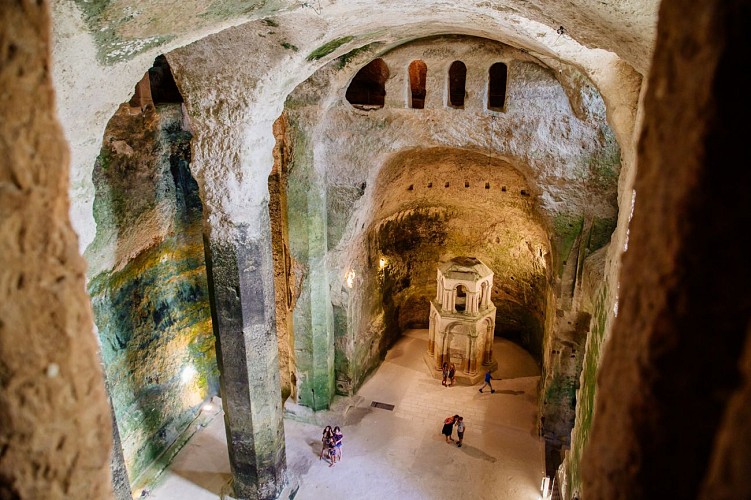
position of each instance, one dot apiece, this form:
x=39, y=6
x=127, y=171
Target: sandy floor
x=399, y=453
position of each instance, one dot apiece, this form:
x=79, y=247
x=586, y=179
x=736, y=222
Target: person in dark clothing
x=448, y=427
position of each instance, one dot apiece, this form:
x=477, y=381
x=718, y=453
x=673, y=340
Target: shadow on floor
x=507, y=391
x=477, y=453
x=355, y=415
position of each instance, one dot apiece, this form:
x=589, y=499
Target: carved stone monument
x=462, y=320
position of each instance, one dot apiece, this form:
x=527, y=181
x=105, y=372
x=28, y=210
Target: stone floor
x=399, y=453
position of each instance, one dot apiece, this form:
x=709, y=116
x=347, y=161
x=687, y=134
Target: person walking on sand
x=452, y=374
x=448, y=427
x=487, y=383
x=460, y=431
x=445, y=374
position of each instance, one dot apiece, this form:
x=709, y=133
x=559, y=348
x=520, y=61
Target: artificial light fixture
x=382, y=263
x=351, y=278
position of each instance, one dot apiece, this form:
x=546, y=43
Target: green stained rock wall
x=152, y=311
x=586, y=396
x=313, y=316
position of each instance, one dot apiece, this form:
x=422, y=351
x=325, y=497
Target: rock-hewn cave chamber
x=223, y=225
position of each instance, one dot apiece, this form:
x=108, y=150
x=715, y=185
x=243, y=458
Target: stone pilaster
x=313, y=315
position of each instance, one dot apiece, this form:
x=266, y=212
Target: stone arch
x=418, y=72
x=457, y=81
x=461, y=296
x=497, y=76
x=367, y=90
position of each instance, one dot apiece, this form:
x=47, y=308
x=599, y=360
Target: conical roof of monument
x=465, y=268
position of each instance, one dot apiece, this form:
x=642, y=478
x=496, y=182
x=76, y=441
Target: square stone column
x=241, y=288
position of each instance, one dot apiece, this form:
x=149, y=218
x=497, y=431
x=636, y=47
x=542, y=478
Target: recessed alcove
x=418, y=71
x=457, y=80
x=368, y=87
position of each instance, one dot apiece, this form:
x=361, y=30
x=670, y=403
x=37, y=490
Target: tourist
x=338, y=437
x=460, y=431
x=488, y=377
x=452, y=374
x=330, y=447
x=328, y=434
x=448, y=427
x=445, y=373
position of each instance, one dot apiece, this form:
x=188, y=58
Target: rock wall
x=662, y=417
x=55, y=433
x=149, y=289
x=285, y=284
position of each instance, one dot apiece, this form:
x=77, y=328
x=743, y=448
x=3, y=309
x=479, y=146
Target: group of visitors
x=449, y=374
x=448, y=429
x=449, y=377
x=331, y=444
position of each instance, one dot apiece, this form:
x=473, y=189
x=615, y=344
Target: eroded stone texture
x=275, y=55
x=241, y=284
x=285, y=285
x=685, y=302
x=148, y=282
x=55, y=432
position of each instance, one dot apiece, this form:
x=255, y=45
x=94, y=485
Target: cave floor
x=397, y=453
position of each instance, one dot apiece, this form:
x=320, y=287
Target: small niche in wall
x=466, y=184
x=524, y=192
x=367, y=90
x=411, y=187
x=418, y=72
x=457, y=84
x=487, y=185
x=503, y=188
x=430, y=184
x=446, y=185
x=497, y=86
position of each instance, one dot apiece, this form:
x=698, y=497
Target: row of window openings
x=368, y=88
x=523, y=192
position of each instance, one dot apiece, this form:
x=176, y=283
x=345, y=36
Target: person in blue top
x=488, y=377
x=338, y=437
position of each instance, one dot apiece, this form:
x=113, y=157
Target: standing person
x=448, y=427
x=330, y=447
x=460, y=431
x=325, y=440
x=452, y=374
x=488, y=377
x=445, y=373
x=338, y=437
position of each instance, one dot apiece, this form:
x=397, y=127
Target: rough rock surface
x=55, y=434
x=666, y=432
x=148, y=281
x=269, y=58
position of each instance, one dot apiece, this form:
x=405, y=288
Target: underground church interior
x=227, y=224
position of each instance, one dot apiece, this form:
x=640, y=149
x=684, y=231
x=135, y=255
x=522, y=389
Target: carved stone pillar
x=240, y=271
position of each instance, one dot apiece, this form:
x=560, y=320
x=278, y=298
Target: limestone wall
x=55, y=432
x=148, y=281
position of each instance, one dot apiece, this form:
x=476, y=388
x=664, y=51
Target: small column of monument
x=462, y=320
